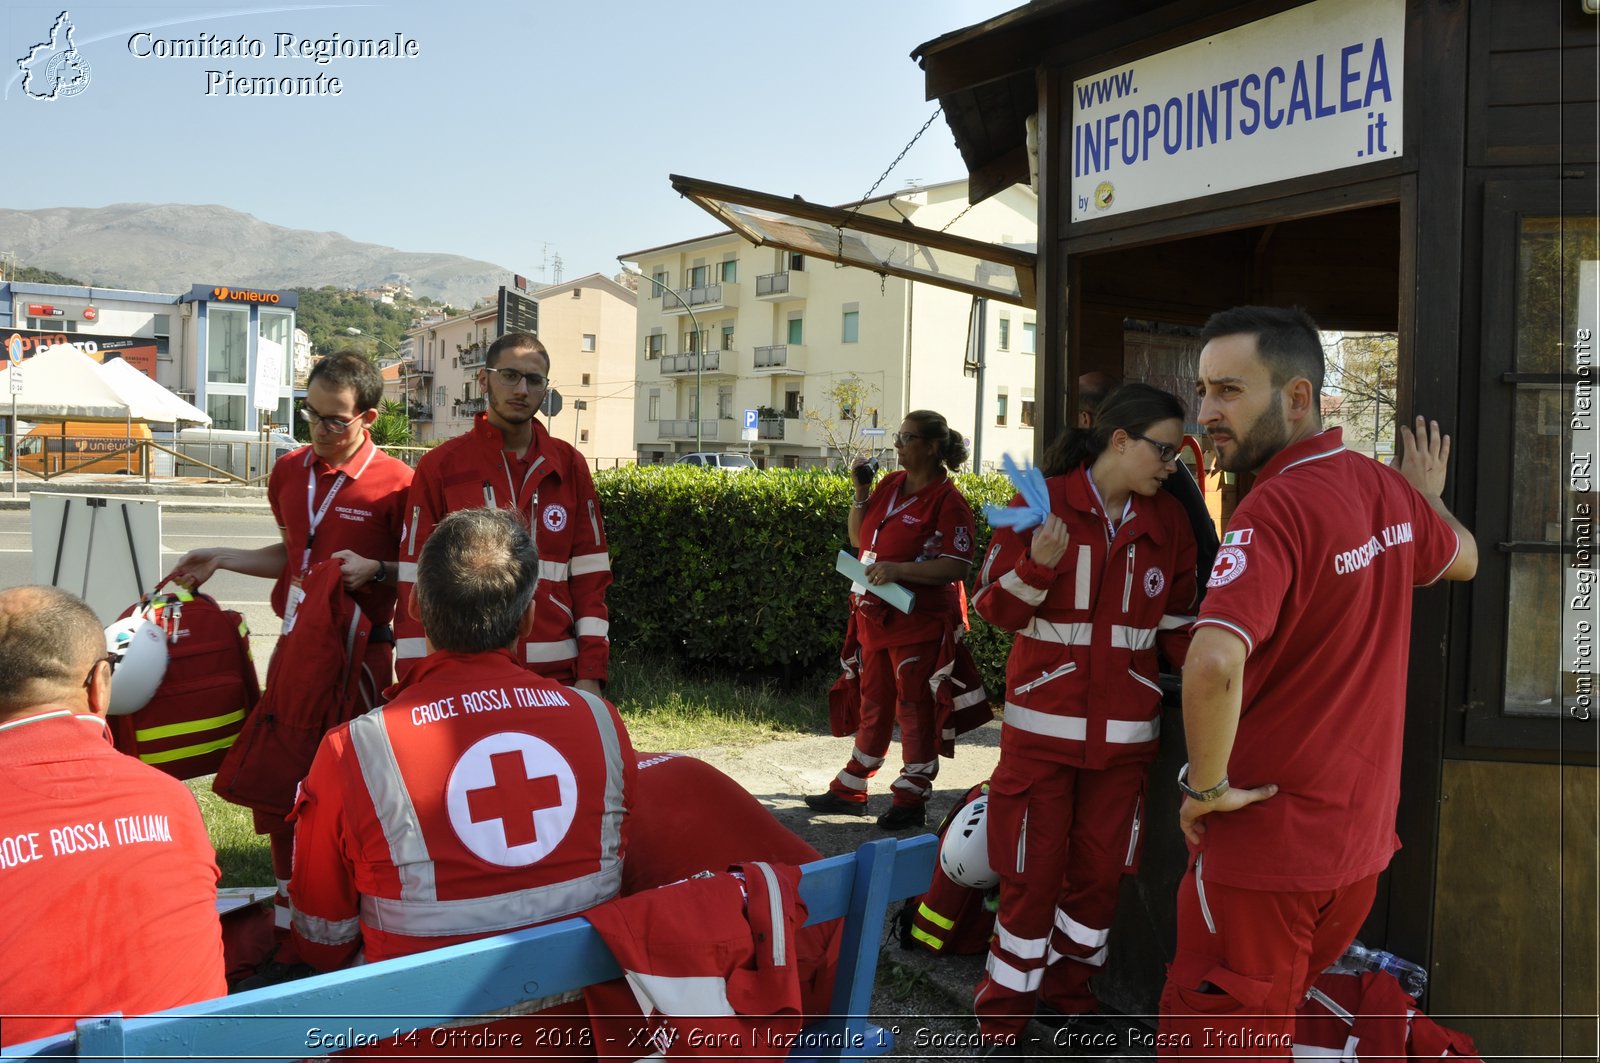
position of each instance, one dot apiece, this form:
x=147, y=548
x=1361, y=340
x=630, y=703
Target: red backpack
x=207, y=693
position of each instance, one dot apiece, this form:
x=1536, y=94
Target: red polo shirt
x=1316, y=575
x=366, y=514
x=898, y=526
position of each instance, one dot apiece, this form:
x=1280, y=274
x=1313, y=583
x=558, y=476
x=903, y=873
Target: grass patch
x=242, y=854
x=665, y=710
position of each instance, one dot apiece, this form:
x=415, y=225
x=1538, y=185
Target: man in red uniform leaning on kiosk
x=482, y=797
x=1294, y=687
x=508, y=461
x=107, y=879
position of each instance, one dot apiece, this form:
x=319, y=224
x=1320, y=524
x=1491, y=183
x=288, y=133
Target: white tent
x=138, y=388
x=64, y=384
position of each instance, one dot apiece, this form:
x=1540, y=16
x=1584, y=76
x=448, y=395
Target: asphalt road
x=180, y=532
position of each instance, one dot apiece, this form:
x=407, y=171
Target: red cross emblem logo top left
x=512, y=798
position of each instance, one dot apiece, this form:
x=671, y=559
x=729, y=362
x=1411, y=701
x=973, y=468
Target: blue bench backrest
x=479, y=977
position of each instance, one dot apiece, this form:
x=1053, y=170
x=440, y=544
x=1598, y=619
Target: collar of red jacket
x=488, y=436
x=1080, y=495
x=442, y=663
x=354, y=465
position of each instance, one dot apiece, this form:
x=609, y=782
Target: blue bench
x=479, y=977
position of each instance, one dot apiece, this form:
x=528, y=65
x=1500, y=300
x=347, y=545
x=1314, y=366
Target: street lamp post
x=700, y=355
x=405, y=372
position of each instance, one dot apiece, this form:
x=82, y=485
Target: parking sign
x=750, y=419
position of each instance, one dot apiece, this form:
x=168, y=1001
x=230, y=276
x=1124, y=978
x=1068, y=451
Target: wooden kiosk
x=1420, y=167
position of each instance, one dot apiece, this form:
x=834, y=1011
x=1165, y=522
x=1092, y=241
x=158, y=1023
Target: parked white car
x=724, y=460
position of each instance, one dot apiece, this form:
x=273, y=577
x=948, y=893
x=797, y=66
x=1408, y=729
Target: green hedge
x=734, y=571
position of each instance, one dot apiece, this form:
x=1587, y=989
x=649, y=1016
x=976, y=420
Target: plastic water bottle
x=1358, y=958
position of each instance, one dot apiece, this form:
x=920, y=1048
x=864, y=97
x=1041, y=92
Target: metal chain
x=884, y=176
x=957, y=218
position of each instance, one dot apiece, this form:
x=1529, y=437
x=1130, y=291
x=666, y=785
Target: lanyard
x=1111, y=525
x=314, y=519
x=511, y=484
x=895, y=507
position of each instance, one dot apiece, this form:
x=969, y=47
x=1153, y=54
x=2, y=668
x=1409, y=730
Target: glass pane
x=1548, y=252
x=227, y=346
x=1533, y=636
x=1537, y=440
x=796, y=330
x=227, y=411
x=278, y=327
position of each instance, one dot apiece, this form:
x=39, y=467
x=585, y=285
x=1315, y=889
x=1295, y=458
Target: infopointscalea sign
x=1313, y=89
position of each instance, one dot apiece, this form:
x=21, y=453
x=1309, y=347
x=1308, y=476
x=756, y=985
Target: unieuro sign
x=243, y=295
x=1313, y=89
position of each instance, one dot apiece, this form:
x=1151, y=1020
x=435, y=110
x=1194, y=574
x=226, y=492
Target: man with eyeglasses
x=507, y=460
x=341, y=497
x=107, y=877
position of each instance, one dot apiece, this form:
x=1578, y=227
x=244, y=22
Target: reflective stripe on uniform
x=1088, y=937
x=555, y=571
x=1063, y=634
x=380, y=772
x=413, y=649
x=405, y=571
x=546, y=652
x=1132, y=638
x=1173, y=620
x=593, y=627
x=1025, y=592
x=325, y=931
x=496, y=912
x=587, y=564
x=1003, y=974
x=1076, y=728
x=1021, y=948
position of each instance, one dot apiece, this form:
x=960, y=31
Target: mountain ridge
x=172, y=246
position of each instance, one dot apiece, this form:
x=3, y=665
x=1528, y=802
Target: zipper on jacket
x=488, y=495
x=1022, y=844
x=411, y=539
x=1146, y=682
x=1127, y=586
x=594, y=522
x=1133, y=835
x=1200, y=892
x=1046, y=677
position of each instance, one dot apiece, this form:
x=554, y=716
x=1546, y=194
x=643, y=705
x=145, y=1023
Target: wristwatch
x=383, y=573
x=1200, y=795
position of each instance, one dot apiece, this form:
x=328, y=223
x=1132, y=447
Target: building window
x=583, y=435
x=161, y=328
x=227, y=346
x=725, y=402
x=727, y=337
x=654, y=411
x=730, y=271
x=1000, y=409
x=1029, y=332
x=277, y=327
x=1025, y=415
x=658, y=283
x=586, y=380
x=227, y=411
x=792, y=403
x=52, y=324
x=588, y=341
x=797, y=331
x=698, y=276
x=653, y=345
x=797, y=262
x=852, y=326
x=1005, y=334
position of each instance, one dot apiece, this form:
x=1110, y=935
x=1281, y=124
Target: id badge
x=291, y=606
x=868, y=559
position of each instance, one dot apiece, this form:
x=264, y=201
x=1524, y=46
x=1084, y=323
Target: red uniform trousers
x=895, y=688
x=280, y=835
x=1061, y=838
x=1244, y=961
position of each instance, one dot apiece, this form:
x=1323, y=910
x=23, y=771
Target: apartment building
x=725, y=327
x=586, y=324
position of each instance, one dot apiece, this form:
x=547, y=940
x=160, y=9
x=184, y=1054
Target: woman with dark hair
x=1089, y=593
x=915, y=529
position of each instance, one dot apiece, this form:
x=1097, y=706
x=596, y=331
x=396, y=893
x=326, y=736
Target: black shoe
x=832, y=802
x=900, y=817
x=274, y=973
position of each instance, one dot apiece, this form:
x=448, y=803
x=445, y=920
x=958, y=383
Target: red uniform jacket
x=1081, y=683
x=107, y=881
x=482, y=798
x=698, y=955
x=554, y=493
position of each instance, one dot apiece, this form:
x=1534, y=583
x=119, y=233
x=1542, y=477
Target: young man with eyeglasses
x=105, y=869
x=341, y=497
x=509, y=461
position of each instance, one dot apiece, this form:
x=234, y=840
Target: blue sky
x=520, y=130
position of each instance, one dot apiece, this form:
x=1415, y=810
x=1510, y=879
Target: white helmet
x=140, y=651
x=964, y=853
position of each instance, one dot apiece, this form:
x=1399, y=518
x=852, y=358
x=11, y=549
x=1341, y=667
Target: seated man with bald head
x=107, y=878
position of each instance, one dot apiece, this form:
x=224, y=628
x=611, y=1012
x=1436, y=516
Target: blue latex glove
x=1030, y=484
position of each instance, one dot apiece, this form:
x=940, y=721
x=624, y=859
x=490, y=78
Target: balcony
x=472, y=355
x=780, y=287
x=419, y=411
x=684, y=429
x=780, y=359
x=709, y=297
x=673, y=364
x=769, y=428
x=470, y=407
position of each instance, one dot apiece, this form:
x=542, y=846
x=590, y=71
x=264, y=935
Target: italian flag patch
x=1237, y=538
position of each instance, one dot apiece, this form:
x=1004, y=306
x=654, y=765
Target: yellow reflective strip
x=187, y=751
x=926, y=938
x=934, y=917
x=152, y=734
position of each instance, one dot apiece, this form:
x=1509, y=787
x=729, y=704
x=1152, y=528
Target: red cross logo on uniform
x=1229, y=566
x=514, y=798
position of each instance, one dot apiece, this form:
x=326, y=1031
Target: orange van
x=83, y=446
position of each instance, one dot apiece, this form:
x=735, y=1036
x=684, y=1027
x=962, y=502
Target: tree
x=848, y=409
x=391, y=429
x=1364, y=372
